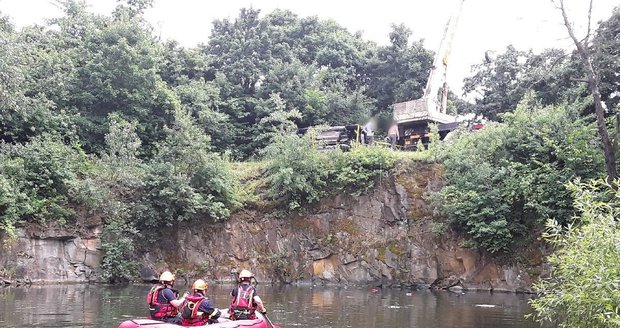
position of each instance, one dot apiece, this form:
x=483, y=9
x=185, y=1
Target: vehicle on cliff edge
x=341, y=137
x=415, y=117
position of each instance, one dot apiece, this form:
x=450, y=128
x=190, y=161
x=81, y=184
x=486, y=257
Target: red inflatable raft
x=260, y=322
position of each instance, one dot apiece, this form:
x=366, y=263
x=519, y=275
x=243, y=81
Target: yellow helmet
x=245, y=274
x=200, y=285
x=167, y=276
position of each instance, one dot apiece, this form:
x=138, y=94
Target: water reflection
x=319, y=307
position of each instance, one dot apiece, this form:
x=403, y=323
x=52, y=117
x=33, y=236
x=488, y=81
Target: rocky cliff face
x=384, y=238
x=52, y=254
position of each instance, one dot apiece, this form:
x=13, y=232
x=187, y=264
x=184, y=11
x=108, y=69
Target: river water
x=300, y=307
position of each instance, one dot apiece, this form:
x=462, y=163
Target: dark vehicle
x=336, y=137
x=412, y=134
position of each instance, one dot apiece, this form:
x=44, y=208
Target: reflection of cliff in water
x=320, y=307
x=47, y=305
x=329, y=307
x=66, y=305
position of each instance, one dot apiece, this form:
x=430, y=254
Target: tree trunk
x=608, y=147
x=617, y=123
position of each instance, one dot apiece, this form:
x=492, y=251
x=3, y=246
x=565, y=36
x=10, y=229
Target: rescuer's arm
x=179, y=302
x=210, y=311
x=259, y=304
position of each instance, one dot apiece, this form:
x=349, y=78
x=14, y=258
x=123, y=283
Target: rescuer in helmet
x=162, y=299
x=245, y=301
x=196, y=309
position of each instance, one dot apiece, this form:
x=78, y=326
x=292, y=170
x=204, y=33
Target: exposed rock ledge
x=52, y=254
x=384, y=238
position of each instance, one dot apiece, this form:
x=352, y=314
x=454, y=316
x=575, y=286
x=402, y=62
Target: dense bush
x=299, y=174
x=168, y=198
x=504, y=181
x=36, y=179
x=12, y=207
x=117, y=241
x=359, y=170
x=297, y=171
x=584, y=288
x=185, y=180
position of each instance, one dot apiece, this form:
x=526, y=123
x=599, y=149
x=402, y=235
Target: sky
x=484, y=24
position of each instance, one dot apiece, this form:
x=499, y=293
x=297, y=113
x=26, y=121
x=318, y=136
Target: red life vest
x=158, y=310
x=243, y=306
x=191, y=314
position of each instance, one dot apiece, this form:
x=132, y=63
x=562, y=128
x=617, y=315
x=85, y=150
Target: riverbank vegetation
x=99, y=116
x=584, y=290
x=503, y=182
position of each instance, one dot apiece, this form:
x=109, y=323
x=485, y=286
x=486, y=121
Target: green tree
x=398, y=72
x=131, y=8
x=317, y=67
x=554, y=74
x=585, y=56
x=584, y=287
x=607, y=58
x=121, y=159
x=182, y=65
x=116, y=69
x=279, y=121
x=499, y=83
x=241, y=55
x=291, y=81
x=203, y=100
x=26, y=112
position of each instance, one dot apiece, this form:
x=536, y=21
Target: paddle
x=255, y=283
x=268, y=320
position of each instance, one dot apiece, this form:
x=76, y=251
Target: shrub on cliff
x=504, y=181
x=185, y=180
x=584, y=288
x=117, y=242
x=36, y=180
x=299, y=174
x=360, y=170
x=297, y=171
x=11, y=207
x=168, y=197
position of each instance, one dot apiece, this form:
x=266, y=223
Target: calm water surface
x=318, y=307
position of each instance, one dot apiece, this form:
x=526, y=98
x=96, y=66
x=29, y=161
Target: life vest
x=160, y=311
x=243, y=307
x=191, y=314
